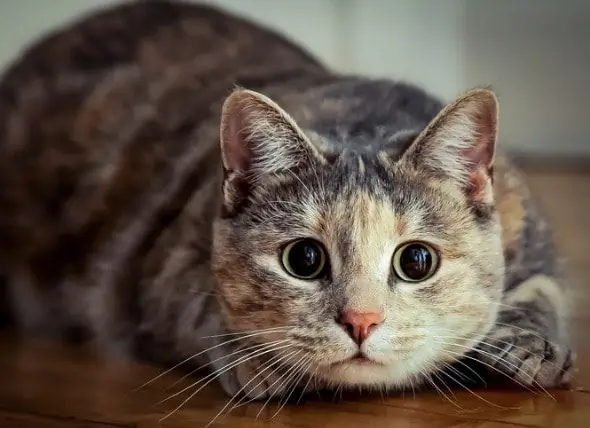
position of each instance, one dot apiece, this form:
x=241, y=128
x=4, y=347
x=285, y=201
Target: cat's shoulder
x=521, y=218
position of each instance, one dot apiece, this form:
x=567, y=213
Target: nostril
x=349, y=328
x=346, y=326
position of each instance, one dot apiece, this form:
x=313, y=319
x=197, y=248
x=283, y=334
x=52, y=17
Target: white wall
x=535, y=53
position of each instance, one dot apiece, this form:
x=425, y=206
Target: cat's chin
x=365, y=373
x=369, y=371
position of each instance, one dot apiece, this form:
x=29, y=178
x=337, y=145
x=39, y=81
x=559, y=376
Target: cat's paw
x=527, y=357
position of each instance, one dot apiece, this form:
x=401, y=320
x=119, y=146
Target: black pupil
x=305, y=258
x=416, y=261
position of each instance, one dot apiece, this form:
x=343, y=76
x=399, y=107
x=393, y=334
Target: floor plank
x=47, y=385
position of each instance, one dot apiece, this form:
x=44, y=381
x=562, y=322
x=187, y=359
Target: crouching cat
x=179, y=184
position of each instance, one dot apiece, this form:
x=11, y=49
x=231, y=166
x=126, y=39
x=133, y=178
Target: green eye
x=304, y=259
x=415, y=262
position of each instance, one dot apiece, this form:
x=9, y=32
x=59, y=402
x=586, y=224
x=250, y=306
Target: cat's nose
x=359, y=325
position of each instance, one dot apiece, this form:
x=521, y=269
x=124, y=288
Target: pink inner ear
x=239, y=152
x=237, y=155
x=481, y=153
x=479, y=180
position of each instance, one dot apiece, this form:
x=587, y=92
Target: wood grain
x=48, y=385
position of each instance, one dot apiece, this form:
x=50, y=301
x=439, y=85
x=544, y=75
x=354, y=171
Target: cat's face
x=367, y=270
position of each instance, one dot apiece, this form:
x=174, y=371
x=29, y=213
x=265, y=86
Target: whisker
x=456, y=360
x=435, y=374
x=532, y=333
x=501, y=358
x=265, y=330
x=264, y=349
x=517, y=308
x=263, y=369
x=413, y=389
x=238, y=351
x=479, y=396
x=460, y=355
x=296, y=379
x=186, y=360
x=483, y=342
x=511, y=346
x=269, y=389
x=457, y=372
x=214, y=376
x=489, y=354
x=520, y=370
x=441, y=392
x=307, y=384
x=241, y=402
x=197, y=355
x=505, y=350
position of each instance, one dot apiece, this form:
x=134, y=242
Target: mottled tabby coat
x=364, y=234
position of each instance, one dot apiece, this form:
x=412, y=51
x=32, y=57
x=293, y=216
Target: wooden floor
x=47, y=386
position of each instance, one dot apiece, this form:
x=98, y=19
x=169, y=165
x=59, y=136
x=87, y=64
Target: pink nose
x=359, y=325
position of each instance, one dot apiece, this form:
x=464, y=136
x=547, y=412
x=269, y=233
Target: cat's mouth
x=359, y=359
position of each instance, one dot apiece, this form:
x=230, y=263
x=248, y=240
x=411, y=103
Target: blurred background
x=534, y=53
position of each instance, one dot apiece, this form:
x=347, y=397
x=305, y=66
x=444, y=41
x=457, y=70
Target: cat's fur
x=145, y=200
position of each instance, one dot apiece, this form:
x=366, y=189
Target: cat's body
x=114, y=225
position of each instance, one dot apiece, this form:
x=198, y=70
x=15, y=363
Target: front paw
x=527, y=357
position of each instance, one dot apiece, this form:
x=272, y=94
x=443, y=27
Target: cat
x=182, y=185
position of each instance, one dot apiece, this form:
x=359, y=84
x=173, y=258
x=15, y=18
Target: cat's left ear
x=260, y=144
x=460, y=143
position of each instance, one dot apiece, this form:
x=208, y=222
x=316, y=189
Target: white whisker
x=215, y=375
x=241, y=402
x=263, y=369
x=296, y=380
x=456, y=360
x=265, y=330
x=483, y=342
x=238, y=351
x=463, y=356
x=527, y=331
x=460, y=355
x=186, y=360
x=284, y=375
x=441, y=392
x=477, y=395
x=308, y=382
x=500, y=358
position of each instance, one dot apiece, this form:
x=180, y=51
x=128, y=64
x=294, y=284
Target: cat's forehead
x=363, y=193
x=365, y=196
x=369, y=213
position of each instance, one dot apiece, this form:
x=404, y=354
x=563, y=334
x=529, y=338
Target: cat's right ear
x=260, y=143
x=460, y=144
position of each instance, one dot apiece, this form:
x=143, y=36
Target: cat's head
x=372, y=269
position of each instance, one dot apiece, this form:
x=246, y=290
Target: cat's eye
x=415, y=262
x=304, y=259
